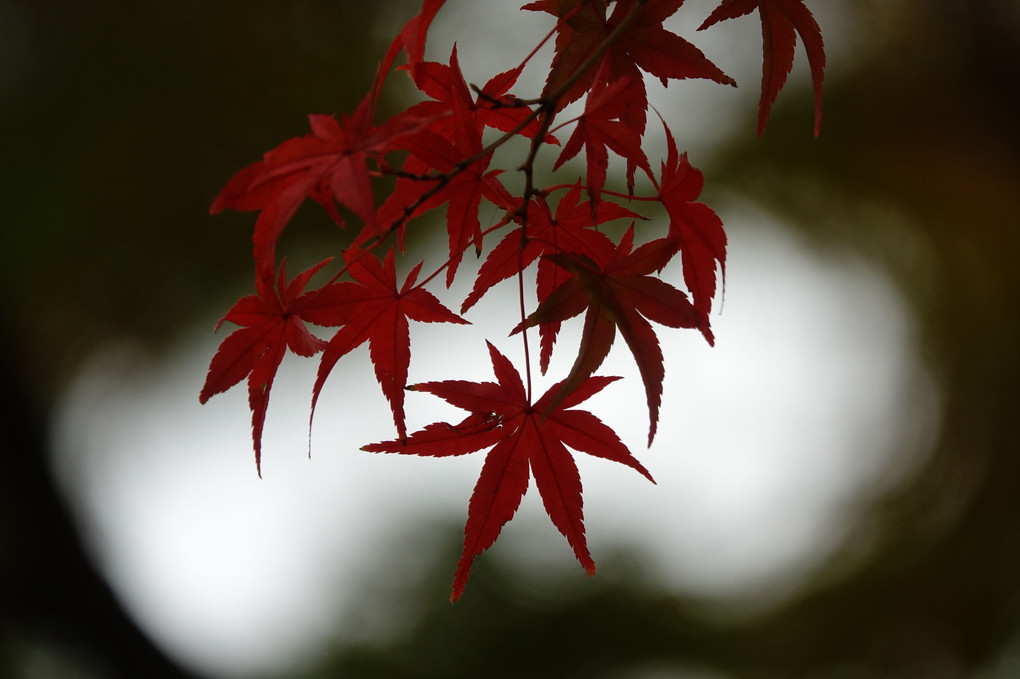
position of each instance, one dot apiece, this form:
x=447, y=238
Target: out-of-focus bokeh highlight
x=838, y=479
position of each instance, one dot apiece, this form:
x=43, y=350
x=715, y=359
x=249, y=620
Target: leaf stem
x=524, y=332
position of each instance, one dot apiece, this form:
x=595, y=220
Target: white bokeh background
x=768, y=445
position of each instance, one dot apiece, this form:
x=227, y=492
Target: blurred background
x=837, y=491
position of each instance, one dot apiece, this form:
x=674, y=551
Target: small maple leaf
x=580, y=31
x=270, y=324
x=781, y=21
x=330, y=163
x=642, y=44
x=601, y=126
x=493, y=106
x=500, y=110
x=461, y=184
x=696, y=227
x=371, y=308
x=522, y=437
x=616, y=290
x=570, y=228
x=411, y=38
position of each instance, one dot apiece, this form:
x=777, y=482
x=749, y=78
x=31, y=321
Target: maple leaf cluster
x=441, y=152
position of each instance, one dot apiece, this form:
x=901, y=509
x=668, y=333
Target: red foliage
x=520, y=435
x=615, y=289
x=781, y=21
x=371, y=308
x=270, y=324
x=446, y=160
x=697, y=230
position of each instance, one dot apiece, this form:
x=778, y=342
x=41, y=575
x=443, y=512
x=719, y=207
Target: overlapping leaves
x=616, y=291
x=442, y=152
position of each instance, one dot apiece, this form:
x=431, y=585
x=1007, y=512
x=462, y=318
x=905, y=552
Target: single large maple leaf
x=781, y=21
x=372, y=308
x=617, y=291
x=522, y=435
x=270, y=323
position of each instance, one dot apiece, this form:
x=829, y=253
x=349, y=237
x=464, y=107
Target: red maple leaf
x=371, y=308
x=493, y=106
x=580, y=31
x=411, y=38
x=462, y=181
x=642, y=44
x=270, y=324
x=601, y=126
x=696, y=228
x=781, y=21
x=522, y=436
x=616, y=290
x=570, y=228
x=330, y=163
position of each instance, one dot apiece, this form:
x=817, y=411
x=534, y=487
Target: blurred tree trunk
x=53, y=600
x=121, y=121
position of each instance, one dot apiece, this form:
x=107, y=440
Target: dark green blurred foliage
x=516, y=623
x=918, y=169
x=119, y=123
